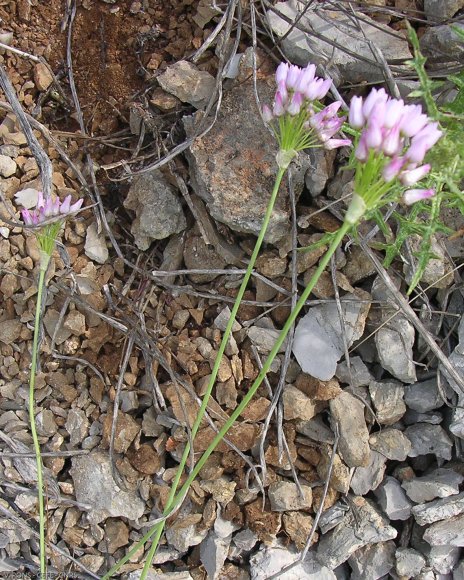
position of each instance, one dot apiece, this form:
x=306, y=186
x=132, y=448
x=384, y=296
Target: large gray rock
x=213, y=553
x=443, y=559
x=373, y=561
x=441, y=44
x=354, y=532
x=439, y=483
x=348, y=413
x=387, y=398
x=369, y=477
x=353, y=60
x=391, y=443
x=285, y=496
x=409, y=562
x=423, y=397
x=233, y=166
x=438, y=10
x=158, y=212
x=446, y=533
x=426, y=438
x=392, y=499
x=319, y=338
x=440, y=509
x=183, y=80
x=94, y=485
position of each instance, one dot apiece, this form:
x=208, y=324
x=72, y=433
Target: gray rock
x=441, y=44
x=456, y=425
x=285, y=496
x=7, y=166
x=409, y=562
x=373, y=561
x=316, y=430
x=190, y=85
x=158, y=212
x=423, y=396
x=336, y=26
x=184, y=533
x=269, y=560
x=10, y=330
x=368, y=527
x=368, y=478
x=198, y=256
x=440, y=509
x=439, y=483
x=438, y=271
x=332, y=517
x=392, y=499
x=245, y=540
x=413, y=417
x=222, y=319
x=95, y=246
x=318, y=174
x=348, y=413
x=458, y=572
x=426, y=438
x=387, y=398
x=443, y=559
x=391, y=443
x=213, y=553
x=264, y=339
x=446, y=533
x=438, y=10
x=94, y=485
x=77, y=425
x=225, y=166
x=358, y=375
x=318, y=342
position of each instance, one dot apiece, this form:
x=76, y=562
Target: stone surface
x=391, y=443
x=264, y=339
x=190, y=85
x=441, y=483
x=269, y=560
x=316, y=430
x=443, y=559
x=94, y=485
x=372, y=561
x=358, y=375
x=285, y=496
x=441, y=44
x=392, y=499
x=158, y=212
x=387, y=398
x=200, y=256
x=318, y=342
x=440, y=509
x=344, y=63
x=449, y=532
x=458, y=573
x=10, y=331
x=352, y=533
x=369, y=477
x=226, y=165
x=348, y=413
x=185, y=532
x=297, y=405
x=423, y=396
x=438, y=10
x=95, y=245
x=297, y=526
x=426, y=438
x=409, y=562
x=7, y=166
x=213, y=553
x=437, y=272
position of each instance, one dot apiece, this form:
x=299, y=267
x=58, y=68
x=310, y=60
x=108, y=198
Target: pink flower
x=412, y=176
x=392, y=144
x=356, y=117
x=335, y=143
x=413, y=120
x=392, y=169
x=376, y=96
x=413, y=195
x=281, y=73
x=295, y=104
x=267, y=114
x=49, y=208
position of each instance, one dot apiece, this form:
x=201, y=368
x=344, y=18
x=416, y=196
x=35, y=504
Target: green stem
x=175, y=500
x=157, y=530
x=38, y=457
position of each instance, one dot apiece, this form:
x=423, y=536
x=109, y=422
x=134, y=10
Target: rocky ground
x=355, y=439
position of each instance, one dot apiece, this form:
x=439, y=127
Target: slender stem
x=158, y=530
x=35, y=347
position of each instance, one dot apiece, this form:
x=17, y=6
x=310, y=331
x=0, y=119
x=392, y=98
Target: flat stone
x=413, y=417
x=94, y=485
x=10, y=331
x=439, y=483
x=319, y=338
x=126, y=431
x=392, y=499
x=298, y=526
x=358, y=375
x=449, y=532
x=158, y=211
x=443, y=559
x=348, y=413
x=42, y=76
x=8, y=166
x=395, y=341
x=297, y=405
x=458, y=573
x=331, y=27
x=439, y=509
x=95, y=245
x=441, y=44
x=116, y=535
x=285, y=496
x=200, y=256
x=269, y=560
x=185, y=532
x=340, y=475
x=372, y=561
x=213, y=553
x=409, y=562
x=369, y=477
x=225, y=165
x=222, y=319
x=427, y=439
x=423, y=396
x=190, y=85
x=391, y=443
x=316, y=430
x=264, y=339
x=387, y=398
x=437, y=10
x=352, y=533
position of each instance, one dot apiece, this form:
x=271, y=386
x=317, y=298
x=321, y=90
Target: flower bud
x=413, y=195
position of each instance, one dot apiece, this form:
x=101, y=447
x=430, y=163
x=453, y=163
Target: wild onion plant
x=392, y=141
x=48, y=217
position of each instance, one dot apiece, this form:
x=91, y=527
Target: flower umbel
x=392, y=146
x=293, y=117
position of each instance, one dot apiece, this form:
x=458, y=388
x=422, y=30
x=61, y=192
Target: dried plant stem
x=35, y=348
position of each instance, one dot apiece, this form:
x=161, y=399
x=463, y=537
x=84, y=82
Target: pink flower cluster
x=297, y=89
x=48, y=208
x=400, y=132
